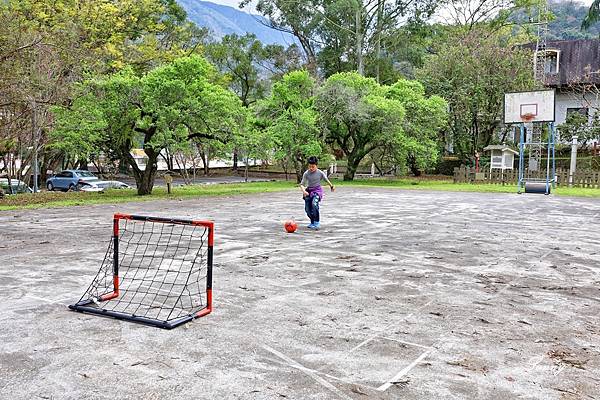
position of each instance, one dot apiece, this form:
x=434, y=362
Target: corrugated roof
x=500, y=147
x=579, y=62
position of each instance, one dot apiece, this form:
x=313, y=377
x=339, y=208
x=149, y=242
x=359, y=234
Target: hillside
x=224, y=20
x=567, y=25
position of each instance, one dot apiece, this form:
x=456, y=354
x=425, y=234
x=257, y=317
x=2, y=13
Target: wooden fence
x=582, y=178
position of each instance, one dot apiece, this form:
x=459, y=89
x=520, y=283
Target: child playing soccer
x=313, y=192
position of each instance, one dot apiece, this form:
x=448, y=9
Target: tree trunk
x=350, y=171
x=144, y=179
x=299, y=171
x=235, y=160
x=206, y=162
x=412, y=165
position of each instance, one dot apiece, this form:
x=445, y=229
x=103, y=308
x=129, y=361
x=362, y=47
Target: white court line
x=406, y=343
x=384, y=330
x=443, y=338
x=403, y=372
x=335, y=378
x=307, y=371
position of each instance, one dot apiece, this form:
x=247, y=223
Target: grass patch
x=449, y=186
x=58, y=199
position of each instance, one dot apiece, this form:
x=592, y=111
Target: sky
x=252, y=10
x=234, y=3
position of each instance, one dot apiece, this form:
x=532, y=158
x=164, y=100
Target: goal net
x=156, y=271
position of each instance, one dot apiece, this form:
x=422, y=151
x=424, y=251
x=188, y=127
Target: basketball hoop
x=527, y=117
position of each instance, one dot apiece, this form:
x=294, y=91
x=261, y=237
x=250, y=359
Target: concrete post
x=573, y=161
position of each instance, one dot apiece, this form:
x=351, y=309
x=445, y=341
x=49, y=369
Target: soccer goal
x=156, y=271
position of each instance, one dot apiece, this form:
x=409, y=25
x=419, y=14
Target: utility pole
x=359, y=38
x=35, y=146
x=378, y=43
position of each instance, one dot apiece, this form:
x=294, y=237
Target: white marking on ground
x=404, y=371
x=406, y=343
x=384, y=330
x=294, y=364
x=442, y=338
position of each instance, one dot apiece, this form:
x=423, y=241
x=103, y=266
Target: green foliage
x=568, y=18
x=238, y=57
x=47, y=47
x=425, y=118
x=244, y=61
x=592, y=16
x=472, y=72
x=358, y=118
x=577, y=124
x=290, y=119
x=162, y=109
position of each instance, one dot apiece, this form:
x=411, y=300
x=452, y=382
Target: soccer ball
x=290, y=226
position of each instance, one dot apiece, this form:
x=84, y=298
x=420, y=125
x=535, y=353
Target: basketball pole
x=521, y=157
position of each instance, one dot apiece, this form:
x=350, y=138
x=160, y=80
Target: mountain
x=567, y=22
x=224, y=20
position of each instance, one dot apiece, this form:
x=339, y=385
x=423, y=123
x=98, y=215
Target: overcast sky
x=234, y=3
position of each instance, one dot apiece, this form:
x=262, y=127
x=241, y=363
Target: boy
x=313, y=192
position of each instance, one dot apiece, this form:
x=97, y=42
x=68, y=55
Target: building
x=572, y=68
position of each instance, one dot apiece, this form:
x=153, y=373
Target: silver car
x=17, y=186
x=100, y=186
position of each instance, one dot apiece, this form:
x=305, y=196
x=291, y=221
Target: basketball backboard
x=535, y=106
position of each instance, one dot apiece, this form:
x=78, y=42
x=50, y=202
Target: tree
x=239, y=58
x=471, y=14
x=567, y=22
x=336, y=34
x=171, y=104
x=290, y=119
x=578, y=124
x=425, y=118
x=45, y=47
x=247, y=65
x=592, y=16
x=357, y=117
x=472, y=72
x=254, y=142
x=299, y=18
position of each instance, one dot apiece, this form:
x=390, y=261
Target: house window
x=583, y=111
x=551, y=61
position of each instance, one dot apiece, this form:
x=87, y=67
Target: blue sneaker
x=316, y=226
x=311, y=226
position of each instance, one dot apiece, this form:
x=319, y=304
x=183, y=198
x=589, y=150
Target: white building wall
x=566, y=100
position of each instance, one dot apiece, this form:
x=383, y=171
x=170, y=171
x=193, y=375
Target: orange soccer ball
x=290, y=226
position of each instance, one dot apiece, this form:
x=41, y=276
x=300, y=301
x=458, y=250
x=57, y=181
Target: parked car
x=68, y=179
x=99, y=186
x=17, y=185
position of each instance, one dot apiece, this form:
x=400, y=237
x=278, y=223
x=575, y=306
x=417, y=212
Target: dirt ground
x=401, y=295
